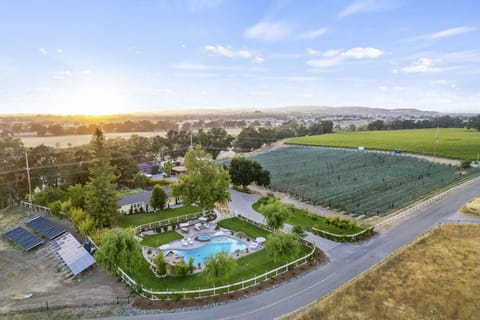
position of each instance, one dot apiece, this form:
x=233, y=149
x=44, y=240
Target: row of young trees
x=440, y=122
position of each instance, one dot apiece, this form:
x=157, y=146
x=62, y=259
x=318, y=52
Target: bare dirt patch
x=23, y=273
x=437, y=277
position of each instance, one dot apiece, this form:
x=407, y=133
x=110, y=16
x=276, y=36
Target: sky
x=104, y=57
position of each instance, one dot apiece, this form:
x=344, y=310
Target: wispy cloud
x=335, y=56
x=363, y=6
x=190, y=66
x=422, y=65
x=65, y=74
x=445, y=33
x=312, y=34
x=269, y=31
x=59, y=50
x=43, y=51
x=231, y=53
x=135, y=50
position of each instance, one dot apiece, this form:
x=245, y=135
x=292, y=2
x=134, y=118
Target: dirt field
x=33, y=273
x=435, y=278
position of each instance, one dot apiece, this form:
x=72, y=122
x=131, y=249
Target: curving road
x=346, y=262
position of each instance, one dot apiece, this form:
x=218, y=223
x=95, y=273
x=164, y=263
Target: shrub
x=181, y=270
x=160, y=263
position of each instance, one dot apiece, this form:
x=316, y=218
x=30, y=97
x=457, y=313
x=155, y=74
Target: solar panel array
x=73, y=254
x=45, y=227
x=23, y=238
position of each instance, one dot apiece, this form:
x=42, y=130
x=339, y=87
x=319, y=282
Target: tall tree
x=158, y=198
x=13, y=177
x=205, y=184
x=245, y=171
x=474, y=123
x=100, y=194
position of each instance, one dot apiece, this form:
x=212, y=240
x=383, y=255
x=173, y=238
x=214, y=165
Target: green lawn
x=247, y=267
x=452, y=143
x=300, y=217
x=237, y=224
x=161, y=238
x=143, y=218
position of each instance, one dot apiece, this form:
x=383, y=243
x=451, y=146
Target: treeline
x=440, y=122
x=251, y=138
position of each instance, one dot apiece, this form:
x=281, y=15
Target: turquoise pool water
x=210, y=248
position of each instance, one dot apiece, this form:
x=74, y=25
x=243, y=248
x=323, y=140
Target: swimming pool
x=216, y=244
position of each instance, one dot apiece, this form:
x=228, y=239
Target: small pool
x=215, y=245
x=203, y=237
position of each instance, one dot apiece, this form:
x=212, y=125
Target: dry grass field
x=472, y=208
x=437, y=277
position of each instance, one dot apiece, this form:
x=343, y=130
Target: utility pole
x=28, y=177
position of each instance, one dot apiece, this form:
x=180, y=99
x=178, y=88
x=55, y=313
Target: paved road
x=346, y=262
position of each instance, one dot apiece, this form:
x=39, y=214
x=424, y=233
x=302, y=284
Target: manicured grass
x=300, y=217
x=355, y=182
x=237, y=224
x=161, y=238
x=452, y=143
x=435, y=278
x=247, y=267
x=142, y=218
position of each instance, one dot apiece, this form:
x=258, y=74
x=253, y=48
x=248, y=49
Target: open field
x=358, y=183
x=435, y=278
x=78, y=140
x=33, y=272
x=472, y=208
x=452, y=143
x=137, y=219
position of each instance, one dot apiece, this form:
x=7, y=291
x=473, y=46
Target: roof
x=135, y=198
x=73, y=254
x=23, y=238
x=45, y=227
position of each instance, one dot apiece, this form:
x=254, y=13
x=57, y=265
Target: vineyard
x=359, y=183
x=445, y=142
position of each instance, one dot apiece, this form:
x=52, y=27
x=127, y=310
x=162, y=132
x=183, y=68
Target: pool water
x=215, y=245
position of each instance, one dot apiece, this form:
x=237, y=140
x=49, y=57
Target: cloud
x=135, y=50
x=190, y=66
x=362, y=53
x=390, y=88
x=43, y=51
x=59, y=50
x=86, y=72
x=336, y=56
x=313, y=33
x=269, y=31
x=445, y=33
x=422, y=65
x=231, y=53
x=362, y=6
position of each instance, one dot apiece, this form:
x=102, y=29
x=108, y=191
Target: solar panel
x=74, y=254
x=45, y=227
x=23, y=238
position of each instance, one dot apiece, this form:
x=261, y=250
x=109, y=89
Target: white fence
x=165, y=222
x=196, y=293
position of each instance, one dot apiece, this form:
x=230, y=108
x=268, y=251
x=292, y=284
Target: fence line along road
x=411, y=211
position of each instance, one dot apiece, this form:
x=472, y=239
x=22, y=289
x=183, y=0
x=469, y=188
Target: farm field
x=452, y=143
x=78, y=140
x=435, y=278
x=356, y=182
